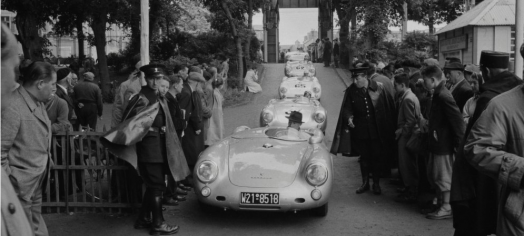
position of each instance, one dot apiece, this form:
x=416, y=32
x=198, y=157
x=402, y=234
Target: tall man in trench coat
x=367, y=120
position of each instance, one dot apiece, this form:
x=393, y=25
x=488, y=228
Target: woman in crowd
x=250, y=81
x=216, y=122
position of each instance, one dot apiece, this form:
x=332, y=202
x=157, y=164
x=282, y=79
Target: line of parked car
x=258, y=170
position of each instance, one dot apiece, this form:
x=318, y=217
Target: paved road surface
x=349, y=213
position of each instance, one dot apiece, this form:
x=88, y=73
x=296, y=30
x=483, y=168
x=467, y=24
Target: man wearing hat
x=460, y=88
x=474, y=196
x=327, y=52
x=368, y=116
x=190, y=101
x=131, y=86
x=88, y=98
x=293, y=131
x=158, y=151
x=63, y=84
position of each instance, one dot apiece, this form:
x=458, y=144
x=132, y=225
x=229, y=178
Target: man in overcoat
x=147, y=139
x=473, y=195
x=328, y=47
x=366, y=120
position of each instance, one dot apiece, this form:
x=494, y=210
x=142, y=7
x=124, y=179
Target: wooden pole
x=404, y=20
x=519, y=36
x=144, y=32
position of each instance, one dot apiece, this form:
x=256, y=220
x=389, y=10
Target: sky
x=295, y=23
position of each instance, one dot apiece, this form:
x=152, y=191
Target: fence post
x=68, y=153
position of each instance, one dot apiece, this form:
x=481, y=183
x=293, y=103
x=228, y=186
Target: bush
x=235, y=97
x=116, y=61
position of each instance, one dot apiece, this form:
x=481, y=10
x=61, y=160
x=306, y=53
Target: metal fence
x=87, y=178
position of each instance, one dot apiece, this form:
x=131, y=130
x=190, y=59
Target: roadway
x=349, y=213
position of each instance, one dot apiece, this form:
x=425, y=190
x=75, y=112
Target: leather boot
x=159, y=226
x=365, y=180
x=376, y=186
x=144, y=216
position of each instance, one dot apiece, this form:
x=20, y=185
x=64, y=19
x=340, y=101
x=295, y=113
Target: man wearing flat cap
x=460, y=88
x=367, y=120
x=88, y=99
x=63, y=84
x=190, y=101
x=157, y=148
x=473, y=195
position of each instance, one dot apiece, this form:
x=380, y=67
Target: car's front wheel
x=320, y=211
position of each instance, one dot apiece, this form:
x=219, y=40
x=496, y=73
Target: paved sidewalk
x=344, y=75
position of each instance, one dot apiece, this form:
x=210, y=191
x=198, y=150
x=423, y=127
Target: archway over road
x=271, y=22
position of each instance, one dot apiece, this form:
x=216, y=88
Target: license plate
x=259, y=198
x=300, y=85
x=299, y=67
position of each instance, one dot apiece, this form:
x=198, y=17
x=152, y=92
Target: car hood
x=265, y=162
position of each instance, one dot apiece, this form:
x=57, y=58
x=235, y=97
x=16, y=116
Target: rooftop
x=486, y=13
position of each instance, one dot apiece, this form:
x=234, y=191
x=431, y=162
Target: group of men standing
x=323, y=50
x=474, y=165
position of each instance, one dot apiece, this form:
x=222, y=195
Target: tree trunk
x=343, y=37
x=99, y=30
x=431, y=19
x=29, y=38
x=238, y=41
x=250, y=28
x=80, y=36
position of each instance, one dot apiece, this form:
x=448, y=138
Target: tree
x=31, y=16
x=70, y=18
x=434, y=12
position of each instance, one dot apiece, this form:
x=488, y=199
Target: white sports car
x=296, y=86
x=276, y=111
x=260, y=170
x=297, y=56
x=299, y=69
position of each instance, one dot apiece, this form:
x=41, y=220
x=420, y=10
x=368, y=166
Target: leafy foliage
x=433, y=12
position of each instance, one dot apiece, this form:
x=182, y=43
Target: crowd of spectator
x=458, y=132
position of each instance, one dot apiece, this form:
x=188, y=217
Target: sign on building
x=452, y=44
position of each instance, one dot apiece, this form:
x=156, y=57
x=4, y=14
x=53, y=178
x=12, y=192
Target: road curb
x=339, y=71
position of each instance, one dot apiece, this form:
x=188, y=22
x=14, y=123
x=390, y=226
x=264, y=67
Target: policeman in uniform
x=158, y=153
x=368, y=110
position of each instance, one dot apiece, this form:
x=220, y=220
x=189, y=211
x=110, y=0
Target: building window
x=7, y=21
x=512, y=49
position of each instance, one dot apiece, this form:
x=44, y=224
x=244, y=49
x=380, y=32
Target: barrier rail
x=87, y=178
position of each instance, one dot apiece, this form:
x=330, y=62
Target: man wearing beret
x=63, y=84
x=367, y=120
x=473, y=195
x=88, y=98
x=158, y=152
x=460, y=89
x=495, y=148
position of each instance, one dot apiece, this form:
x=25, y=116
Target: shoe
x=184, y=187
x=170, y=201
x=164, y=229
x=440, y=214
x=180, y=191
x=180, y=198
x=376, y=189
x=142, y=223
x=364, y=188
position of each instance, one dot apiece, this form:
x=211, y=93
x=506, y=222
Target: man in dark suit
x=446, y=129
x=189, y=100
x=63, y=84
x=88, y=97
x=327, y=52
x=373, y=75
x=460, y=88
x=336, y=51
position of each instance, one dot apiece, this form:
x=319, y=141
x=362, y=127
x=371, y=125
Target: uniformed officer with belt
x=154, y=151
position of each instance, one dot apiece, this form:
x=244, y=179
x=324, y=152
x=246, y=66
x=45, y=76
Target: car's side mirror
x=317, y=136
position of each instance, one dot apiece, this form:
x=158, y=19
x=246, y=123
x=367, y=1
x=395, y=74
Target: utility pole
x=404, y=20
x=144, y=32
x=519, y=36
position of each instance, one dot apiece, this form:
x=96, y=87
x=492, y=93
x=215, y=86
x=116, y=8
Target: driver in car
x=293, y=131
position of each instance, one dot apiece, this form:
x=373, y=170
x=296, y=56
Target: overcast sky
x=295, y=23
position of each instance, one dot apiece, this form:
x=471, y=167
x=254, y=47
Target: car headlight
x=316, y=174
x=316, y=89
x=207, y=171
x=319, y=117
x=283, y=90
x=267, y=116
